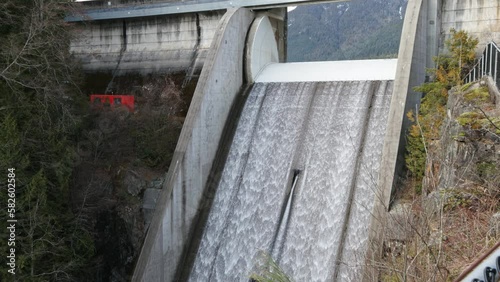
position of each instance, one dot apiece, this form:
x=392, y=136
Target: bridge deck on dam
x=134, y=9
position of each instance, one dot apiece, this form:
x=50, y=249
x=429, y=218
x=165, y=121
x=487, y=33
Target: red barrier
x=112, y=101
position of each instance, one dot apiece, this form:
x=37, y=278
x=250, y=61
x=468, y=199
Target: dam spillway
x=243, y=48
x=327, y=137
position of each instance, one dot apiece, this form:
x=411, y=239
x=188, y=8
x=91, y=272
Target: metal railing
x=93, y=4
x=487, y=64
x=486, y=268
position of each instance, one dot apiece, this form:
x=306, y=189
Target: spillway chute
x=298, y=217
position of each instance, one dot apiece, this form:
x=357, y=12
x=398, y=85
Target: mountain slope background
x=358, y=29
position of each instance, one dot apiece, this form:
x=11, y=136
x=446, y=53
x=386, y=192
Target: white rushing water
x=332, y=132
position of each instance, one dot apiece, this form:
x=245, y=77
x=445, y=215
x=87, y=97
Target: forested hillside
x=359, y=29
x=41, y=115
x=72, y=175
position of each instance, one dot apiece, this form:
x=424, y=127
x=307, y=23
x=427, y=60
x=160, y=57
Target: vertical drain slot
x=284, y=219
x=296, y=173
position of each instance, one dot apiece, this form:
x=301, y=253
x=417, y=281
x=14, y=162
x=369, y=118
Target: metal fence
x=124, y=3
x=487, y=64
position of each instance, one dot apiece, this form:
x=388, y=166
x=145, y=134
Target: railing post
x=480, y=66
x=496, y=63
x=483, y=61
x=486, y=52
x=490, y=46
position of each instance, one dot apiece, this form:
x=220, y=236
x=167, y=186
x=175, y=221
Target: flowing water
x=299, y=182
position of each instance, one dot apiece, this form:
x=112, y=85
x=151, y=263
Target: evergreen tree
x=40, y=116
x=448, y=73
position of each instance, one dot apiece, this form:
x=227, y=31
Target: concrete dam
x=293, y=160
x=299, y=182
x=296, y=177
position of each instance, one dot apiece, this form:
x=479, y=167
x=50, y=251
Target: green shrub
x=478, y=95
x=269, y=270
x=470, y=119
x=487, y=170
x=432, y=112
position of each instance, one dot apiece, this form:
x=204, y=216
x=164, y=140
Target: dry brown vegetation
x=449, y=223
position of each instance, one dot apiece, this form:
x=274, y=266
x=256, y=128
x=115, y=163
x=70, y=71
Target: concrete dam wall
x=480, y=18
x=161, y=44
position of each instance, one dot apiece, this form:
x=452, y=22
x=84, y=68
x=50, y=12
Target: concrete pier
x=181, y=197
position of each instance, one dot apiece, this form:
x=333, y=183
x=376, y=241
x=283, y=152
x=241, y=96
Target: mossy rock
x=470, y=119
x=475, y=120
x=466, y=86
x=491, y=124
x=487, y=169
x=454, y=198
x=478, y=95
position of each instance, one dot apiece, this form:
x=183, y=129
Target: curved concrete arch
x=182, y=194
x=261, y=49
